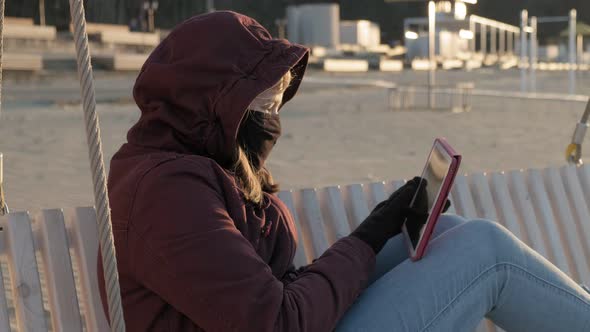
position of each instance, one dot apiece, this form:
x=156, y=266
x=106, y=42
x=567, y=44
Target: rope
x=101, y=202
x=3, y=206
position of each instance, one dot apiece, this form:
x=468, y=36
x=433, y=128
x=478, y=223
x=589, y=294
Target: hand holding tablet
x=430, y=199
x=413, y=208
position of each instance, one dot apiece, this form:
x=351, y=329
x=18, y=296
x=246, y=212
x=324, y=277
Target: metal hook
x=573, y=153
x=3, y=207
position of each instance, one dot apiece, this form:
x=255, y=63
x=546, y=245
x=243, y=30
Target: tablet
x=440, y=171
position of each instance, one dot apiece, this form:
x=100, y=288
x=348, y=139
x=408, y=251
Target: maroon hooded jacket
x=192, y=254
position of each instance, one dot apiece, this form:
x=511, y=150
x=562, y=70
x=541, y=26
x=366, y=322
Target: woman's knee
x=494, y=240
x=450, y=220
x=447, y=222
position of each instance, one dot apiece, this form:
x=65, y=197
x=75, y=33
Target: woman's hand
x=386, y=220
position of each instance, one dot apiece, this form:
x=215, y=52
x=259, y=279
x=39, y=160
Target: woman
x=204, y=245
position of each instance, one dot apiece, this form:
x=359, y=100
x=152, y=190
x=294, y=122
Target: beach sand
x=331, y=135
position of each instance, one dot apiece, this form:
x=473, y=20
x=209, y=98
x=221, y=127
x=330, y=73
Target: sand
x=332, y=135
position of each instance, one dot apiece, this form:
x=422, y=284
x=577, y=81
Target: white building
x=362, y=32
x=318, y=24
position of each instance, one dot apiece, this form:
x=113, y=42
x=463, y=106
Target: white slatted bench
x=548, y=209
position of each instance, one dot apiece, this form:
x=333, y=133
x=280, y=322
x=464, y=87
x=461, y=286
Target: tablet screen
x=435, y=172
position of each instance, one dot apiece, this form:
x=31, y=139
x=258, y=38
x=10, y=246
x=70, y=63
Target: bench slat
x=84, y=240
x=356, y=204
x=333, y=206
x=482, y=197
x=376, y=194
x=301, y=258
x=311, y=213
x=4, y=318
x=579, y=206
x=524, y=205
x=24, y=273
x=392, y=186
x=462, y=195
x=566, y=223
x=584, y=176
x=546, y=219
x=501, y=195
x=65, y=312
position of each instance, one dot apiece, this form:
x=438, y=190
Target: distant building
x=459, y=35
x=318, y=24
x=314, y=24
x=362, y=32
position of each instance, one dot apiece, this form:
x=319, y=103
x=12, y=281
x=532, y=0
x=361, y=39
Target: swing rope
x=101, y=202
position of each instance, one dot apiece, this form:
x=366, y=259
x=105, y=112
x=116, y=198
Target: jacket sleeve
x=189, y=252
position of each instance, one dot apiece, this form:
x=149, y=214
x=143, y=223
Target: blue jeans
x=471, y=270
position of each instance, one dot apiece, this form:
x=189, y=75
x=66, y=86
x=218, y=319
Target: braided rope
x=101, y=202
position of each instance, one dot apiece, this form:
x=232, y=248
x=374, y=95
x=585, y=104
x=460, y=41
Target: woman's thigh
x=470, y=271
x=396, y=251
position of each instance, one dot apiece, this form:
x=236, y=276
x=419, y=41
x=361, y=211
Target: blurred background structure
x=386, y=35
x=520, y=66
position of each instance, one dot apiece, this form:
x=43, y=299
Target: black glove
x=417, y=214
x=386, y=220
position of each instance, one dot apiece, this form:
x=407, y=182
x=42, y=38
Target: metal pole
x=493, y=41
x=281, y=23
x=533, y=56
x=580, y=48
x=524, y=18
x=502, y=42
x=572, y=51
x=473, y=29
x=3, y=207
x=210, y=6
x=484, y=39
x=431, y=52
x=151, y=25
x=41, y=12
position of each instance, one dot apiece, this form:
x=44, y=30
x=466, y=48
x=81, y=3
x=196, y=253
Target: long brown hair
x=254, y=182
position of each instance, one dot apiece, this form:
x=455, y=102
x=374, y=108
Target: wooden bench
x=29, y=32
x=22, y=62
x=97, y=28
x=546, y=208
x=19, y=21
x=112, y=38
x=120, y=62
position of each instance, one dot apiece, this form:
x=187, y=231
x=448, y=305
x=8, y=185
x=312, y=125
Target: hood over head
x=195, y=87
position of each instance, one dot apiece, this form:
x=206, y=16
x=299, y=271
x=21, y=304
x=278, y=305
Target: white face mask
x=267, y=102
x=270, y=100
